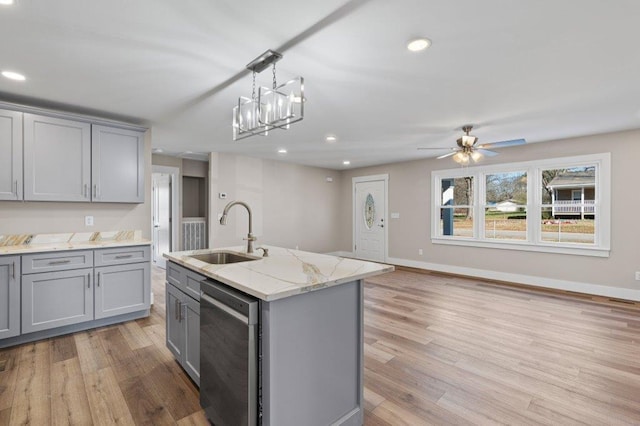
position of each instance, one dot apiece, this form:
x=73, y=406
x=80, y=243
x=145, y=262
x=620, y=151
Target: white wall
x=292, y=205
x=410, y=195
x=28, y=217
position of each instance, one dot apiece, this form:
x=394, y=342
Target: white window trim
x=602, y=237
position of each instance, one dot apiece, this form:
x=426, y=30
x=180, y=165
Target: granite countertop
x=36, y=243
x=284, y=273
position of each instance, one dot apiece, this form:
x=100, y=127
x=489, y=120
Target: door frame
x=361, y=179
x=174, y=172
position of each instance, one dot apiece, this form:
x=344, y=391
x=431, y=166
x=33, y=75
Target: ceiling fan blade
x=486, y=152
x=503, y=144
x=446, y=155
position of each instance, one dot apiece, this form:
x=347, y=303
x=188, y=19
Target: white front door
x=161, y=186
x=370, y=220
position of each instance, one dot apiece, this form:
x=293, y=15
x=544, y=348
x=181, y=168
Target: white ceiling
x=537, y=69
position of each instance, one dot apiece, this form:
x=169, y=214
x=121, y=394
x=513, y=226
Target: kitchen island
x=310, y=338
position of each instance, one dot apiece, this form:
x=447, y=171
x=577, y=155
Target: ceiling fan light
x=475, y=156
x=461, y=158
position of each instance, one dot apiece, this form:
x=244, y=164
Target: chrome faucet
x=223, y=221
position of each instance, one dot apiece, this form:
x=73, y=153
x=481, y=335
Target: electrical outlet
x=637, y=275
x=88, y=221
x=420, y=252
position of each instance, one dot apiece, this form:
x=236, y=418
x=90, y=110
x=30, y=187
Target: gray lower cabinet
x=9, y=296
x=57, y=159
x=11, y=157
x=121, y=289
x=52, y=293
x=117, y=165
x=183, y=320
x=56, y=299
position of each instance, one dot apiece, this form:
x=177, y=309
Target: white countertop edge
x=89, y=245
x=210, y=271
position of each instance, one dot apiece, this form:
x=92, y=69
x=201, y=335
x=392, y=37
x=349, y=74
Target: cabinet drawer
x=122, y=255
x=184, y=279
x=56, y=261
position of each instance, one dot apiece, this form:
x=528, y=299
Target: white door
x=370, y=219
x=161, y=186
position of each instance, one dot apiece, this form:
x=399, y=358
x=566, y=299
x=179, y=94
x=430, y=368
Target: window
x=558, y=205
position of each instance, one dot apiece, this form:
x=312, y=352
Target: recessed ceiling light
x=282, y=151
x=346, y=162
x=13, y=75
x=7, y=2
x=331, y=138
x=158, y=150
x=418, y=44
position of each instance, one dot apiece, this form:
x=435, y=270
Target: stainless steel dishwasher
x=229, y=345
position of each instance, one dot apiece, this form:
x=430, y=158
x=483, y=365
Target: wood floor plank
x=108, y=406
x=196, y=419
x=8, y=376
x=69, y=403
x=31, y=401
x=63, y=348
x=134, y=335
x=91, y=353
x=144, y=407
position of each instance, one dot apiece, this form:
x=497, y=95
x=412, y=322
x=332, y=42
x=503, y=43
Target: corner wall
x=410, y=195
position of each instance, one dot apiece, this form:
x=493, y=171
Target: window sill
x=524, y=246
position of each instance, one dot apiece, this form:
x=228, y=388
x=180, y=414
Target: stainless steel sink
x=222, y=257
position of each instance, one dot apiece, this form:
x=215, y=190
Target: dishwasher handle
x=237, y=315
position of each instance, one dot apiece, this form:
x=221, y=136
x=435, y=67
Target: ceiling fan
x=467, y=149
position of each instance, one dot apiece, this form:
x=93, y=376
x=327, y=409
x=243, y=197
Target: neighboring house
x=573, y=194
x=506, y=206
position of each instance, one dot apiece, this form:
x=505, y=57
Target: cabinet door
x=122, y=289
x=57, y=159
x=175, y=329
x=9, y=296
x=117, y=165
x=55, y=299
x=191, y=354
x=11, y=155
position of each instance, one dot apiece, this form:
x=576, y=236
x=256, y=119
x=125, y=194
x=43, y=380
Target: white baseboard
x=587, y=288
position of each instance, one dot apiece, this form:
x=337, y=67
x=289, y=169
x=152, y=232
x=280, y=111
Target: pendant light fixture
x=275, y=107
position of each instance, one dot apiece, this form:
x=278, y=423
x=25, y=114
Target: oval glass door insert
x=369, y=211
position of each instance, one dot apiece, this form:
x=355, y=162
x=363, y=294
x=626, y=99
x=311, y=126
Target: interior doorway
x=370, y=222
x=164, y=221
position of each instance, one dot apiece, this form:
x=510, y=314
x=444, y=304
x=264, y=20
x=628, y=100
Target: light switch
x=88, y=221
x=395, y=215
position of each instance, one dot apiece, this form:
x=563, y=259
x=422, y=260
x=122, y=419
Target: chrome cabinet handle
x=176, y=309
x=98, y=280
x=59, y=262
x=13, y=270
x=123, y=256
x=89, y=280
x=16, y=186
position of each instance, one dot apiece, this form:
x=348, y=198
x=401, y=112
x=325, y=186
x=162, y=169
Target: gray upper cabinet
x=117, y=165
x=57, y=159
x=10, y=155
x=9, y=296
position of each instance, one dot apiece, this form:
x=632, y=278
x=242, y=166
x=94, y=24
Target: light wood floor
x=438, y=350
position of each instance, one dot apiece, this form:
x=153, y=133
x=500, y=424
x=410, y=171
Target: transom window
x=557, y=205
